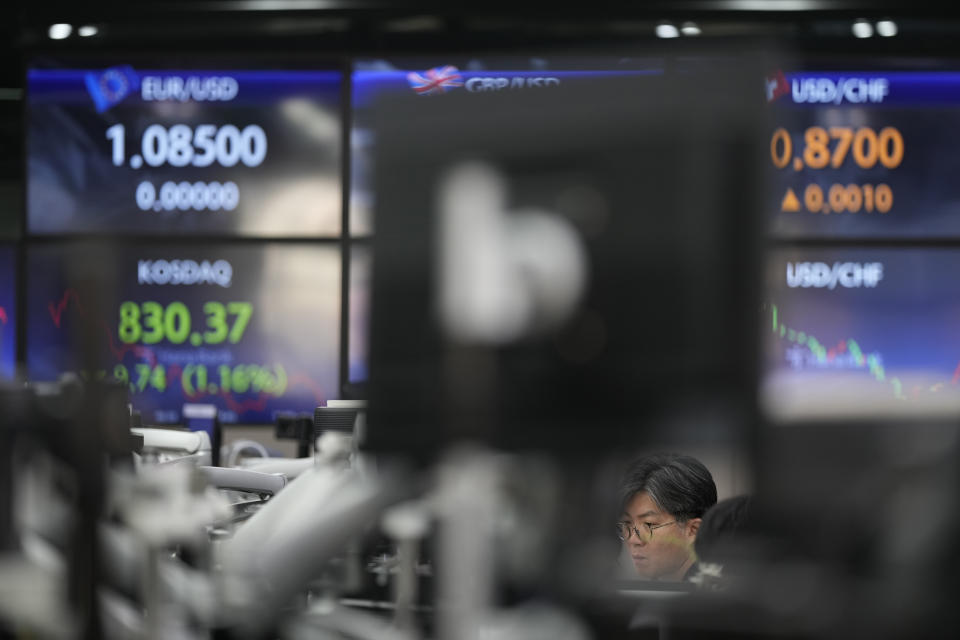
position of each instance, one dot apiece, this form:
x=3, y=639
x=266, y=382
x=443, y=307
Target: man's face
x=665, y=553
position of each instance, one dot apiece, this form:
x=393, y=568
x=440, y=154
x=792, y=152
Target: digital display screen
x=8, y=316
x=145, y=149
x=860, y=308
x=252, y=329
x=432, y=78
x=578, y=189
x=862, y=331
x=864, y=154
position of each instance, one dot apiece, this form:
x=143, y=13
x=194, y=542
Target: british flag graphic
x=436, y=80
x=777, y=86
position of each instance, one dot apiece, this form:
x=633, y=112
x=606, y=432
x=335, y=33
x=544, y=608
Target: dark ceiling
x=348, y=26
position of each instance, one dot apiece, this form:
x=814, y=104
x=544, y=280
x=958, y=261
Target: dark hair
x=722, y=526
x=679, y=485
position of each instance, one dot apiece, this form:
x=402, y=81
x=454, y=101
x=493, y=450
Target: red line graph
x=173, y=373
x=260, y=402
x=956, y=375
x=56, y=310
x=302, y=380
x=872, y=360
x=238, y=406
x=833, y=352
x=56, y=314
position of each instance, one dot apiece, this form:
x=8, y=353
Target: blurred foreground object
x=556, y=266
x=562, y=275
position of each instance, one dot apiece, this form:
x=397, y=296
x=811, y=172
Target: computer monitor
x=251, y=328
x=858, y=301
x=641, y=196
x=182, y=145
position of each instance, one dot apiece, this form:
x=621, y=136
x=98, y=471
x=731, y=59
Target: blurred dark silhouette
x=723, y=541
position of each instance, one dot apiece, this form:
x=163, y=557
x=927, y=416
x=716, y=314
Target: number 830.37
x=151, y=323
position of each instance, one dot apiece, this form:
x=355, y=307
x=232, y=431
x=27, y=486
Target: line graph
x=57, y=310
x=259, y=403
x=846, y=354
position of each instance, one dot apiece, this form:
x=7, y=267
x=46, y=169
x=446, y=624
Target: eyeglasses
x=644, y=532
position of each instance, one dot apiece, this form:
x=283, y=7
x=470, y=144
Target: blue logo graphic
x=111, y=86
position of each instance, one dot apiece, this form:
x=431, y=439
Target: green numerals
x=243, y=310
x=243, y=378
x=216, y=321
x=155, y=377
x=176, y=322
x=240, y=378
x=144, y=376
x=130, y=322
x=151, y=322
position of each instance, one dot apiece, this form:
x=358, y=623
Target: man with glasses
x=663, y=499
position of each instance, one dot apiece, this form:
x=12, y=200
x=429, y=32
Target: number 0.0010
x=184, y=196
x=851, y=198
